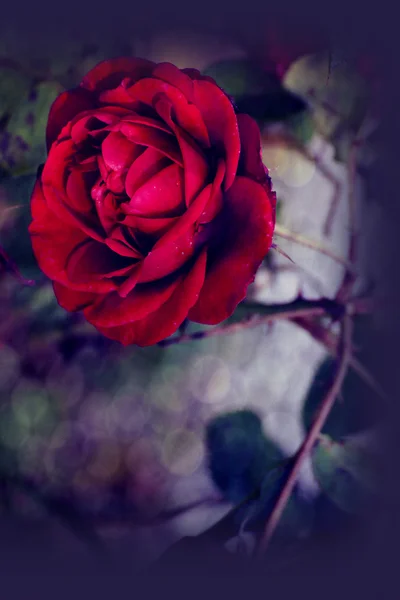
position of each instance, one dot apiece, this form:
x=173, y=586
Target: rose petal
x=142, y=120
x=195, y=210
x=91, y=260
x=171, y=74
x=150, y=225
x=195, y=164
x=119, y=241
x=163, y=261
x=160, y=196
x=113, y=310
x=250, y=163
x=116, y=182
x=188, y=116
x=145, y=166
x=66, y=106
x=77, y=191
x=220, y=119
x=109, y=73
x=247, y=221
x=53, y=179
x=53, y=241
x=72, y=300
x=196, y=74
x=154, y=138
x=118, y=152
x=163, y=322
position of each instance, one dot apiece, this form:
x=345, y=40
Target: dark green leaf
x=346, y=472
x=14, y=85
x=23, y=141
x=255, y=91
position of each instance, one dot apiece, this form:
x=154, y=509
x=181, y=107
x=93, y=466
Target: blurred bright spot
x=209, y=379
x=218, y=386
x=183, y=452
x=190, y=49
x=276, y=159
x=106, y=463
x=67, y=382
x=11, y=434
x=96, y=418
x=165, y=395
x=129, y=412
x=291, y=167
x=29, y=404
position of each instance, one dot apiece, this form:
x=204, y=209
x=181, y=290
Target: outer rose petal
x=109, y=73
x=71, y=299
x=91, y=260
x=187, y=115
x=220, y=119
x=248, y=221
x=250, y=163
x=165, y=321
x=171, y=74
x=113, y=311
x=64, y=108
x=53, y=241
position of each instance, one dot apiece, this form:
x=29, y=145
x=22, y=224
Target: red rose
x=153, y=205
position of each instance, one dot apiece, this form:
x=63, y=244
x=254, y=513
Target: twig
x=349, y=278
x=282, y=232
x=291, y=310
x=9, y=265
x=323, y=412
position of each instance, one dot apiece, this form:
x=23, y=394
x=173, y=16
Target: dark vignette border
x=365, y=565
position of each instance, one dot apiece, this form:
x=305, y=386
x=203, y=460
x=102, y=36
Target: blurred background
x=131, y=449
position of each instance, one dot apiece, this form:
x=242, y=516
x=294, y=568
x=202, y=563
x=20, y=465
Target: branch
x=9, y=265
x=292, y=311
x=306, y=447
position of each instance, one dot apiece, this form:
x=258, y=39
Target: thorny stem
x=306, y=447
x=291, y=311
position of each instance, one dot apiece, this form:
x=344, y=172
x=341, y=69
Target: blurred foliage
x=337, y=94
x=345, y=472
x=239, y=454
x=257, y=92
x=22, y=142
x=242, y=461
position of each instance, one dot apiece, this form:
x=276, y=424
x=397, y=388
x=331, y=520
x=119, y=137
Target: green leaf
x=255, y=91
x=346, y=472
x=22, y=144
x=337, y=94
x=241, y=77
x=301, y=126
x=239, y=453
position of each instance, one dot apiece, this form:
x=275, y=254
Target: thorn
x=275, y=246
